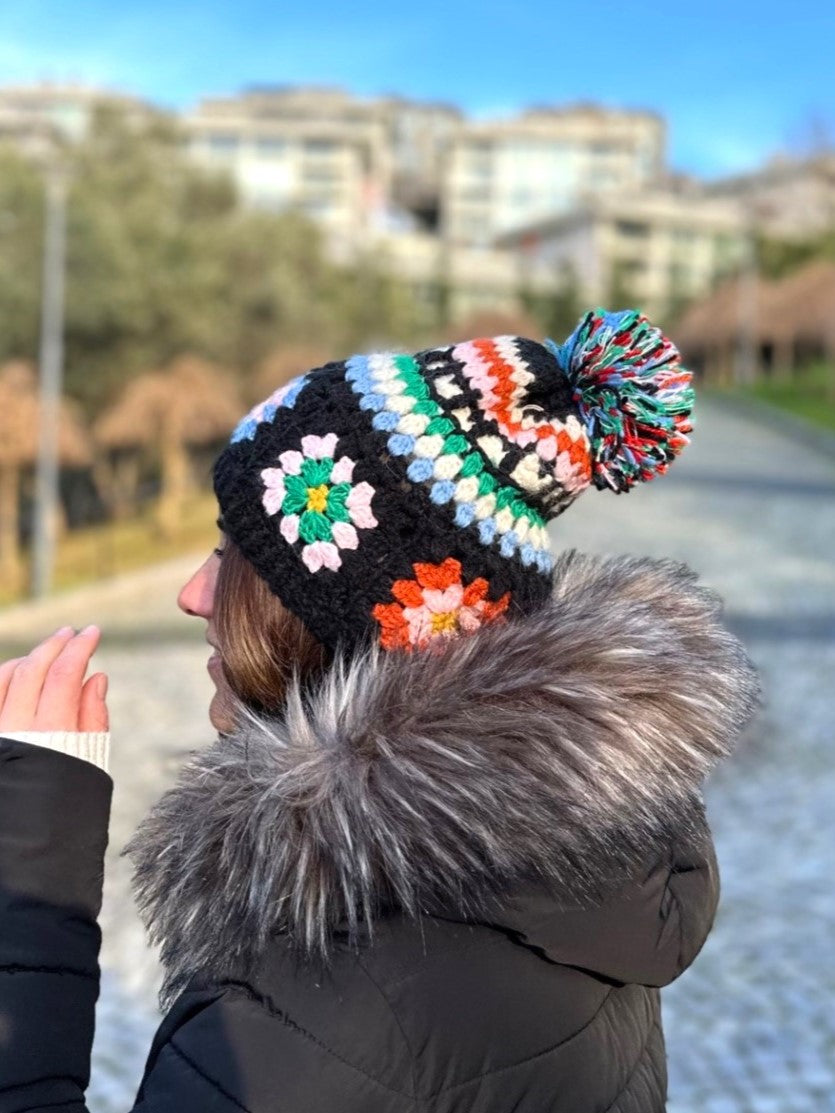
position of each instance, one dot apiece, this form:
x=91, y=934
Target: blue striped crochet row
x=245, y=429
x=421, y=469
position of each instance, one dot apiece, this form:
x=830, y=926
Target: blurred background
x=198, y=202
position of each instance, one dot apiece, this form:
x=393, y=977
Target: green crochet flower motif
x=318, y=502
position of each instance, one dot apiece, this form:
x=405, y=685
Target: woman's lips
x=213, y=662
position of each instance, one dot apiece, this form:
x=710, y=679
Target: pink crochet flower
x=317, y=500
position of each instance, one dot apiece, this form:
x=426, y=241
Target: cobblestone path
x=750, y=1027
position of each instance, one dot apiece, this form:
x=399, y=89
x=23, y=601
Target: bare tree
x=189, y=402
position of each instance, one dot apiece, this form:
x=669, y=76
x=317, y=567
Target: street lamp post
x=51, y=375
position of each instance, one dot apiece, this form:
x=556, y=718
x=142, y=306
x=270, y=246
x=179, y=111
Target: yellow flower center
x=317, y=498
x=447, y=620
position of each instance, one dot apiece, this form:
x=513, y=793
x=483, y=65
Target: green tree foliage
x=777, y=258
x=274, y=289
x=21, y=240
x=162, y=259
x=371, y=308
x=144, y=269
x=622, y=293
x=558, y=311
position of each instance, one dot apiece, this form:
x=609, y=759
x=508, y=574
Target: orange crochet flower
x=435, y=605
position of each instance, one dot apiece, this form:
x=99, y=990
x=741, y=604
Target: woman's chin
x=220, y=714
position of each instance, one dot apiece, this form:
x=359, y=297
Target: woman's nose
x=196, y=595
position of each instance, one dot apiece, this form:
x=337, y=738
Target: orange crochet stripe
x=506, y=390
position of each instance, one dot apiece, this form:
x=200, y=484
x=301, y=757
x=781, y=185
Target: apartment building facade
x=316, y=150
x=360, y=166
x=503, y=175
x=789, y=199
x=346, y=162
x=658, y=248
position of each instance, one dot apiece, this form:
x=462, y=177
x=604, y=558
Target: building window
x=477, y=194
x=681, y=279
x=471, y=229
x=477, y=160
x=632, y=229
x=268, y=147
x=326, y=171
x=319, y=206
x=266, y=199
x=320, y=146
x=523, y=198
x=223, y=142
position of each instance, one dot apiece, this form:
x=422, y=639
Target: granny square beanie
x=405, y=498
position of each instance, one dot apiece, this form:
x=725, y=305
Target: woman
x=450, y=840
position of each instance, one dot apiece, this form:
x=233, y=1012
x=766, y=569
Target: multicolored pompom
x=632, y=393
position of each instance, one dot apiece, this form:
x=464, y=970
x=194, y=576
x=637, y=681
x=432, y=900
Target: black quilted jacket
x=443, y=883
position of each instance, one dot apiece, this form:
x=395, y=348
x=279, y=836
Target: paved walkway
x=750, y=1028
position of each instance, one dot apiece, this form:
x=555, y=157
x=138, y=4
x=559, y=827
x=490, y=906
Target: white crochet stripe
x=530, y=474
x=377, y=379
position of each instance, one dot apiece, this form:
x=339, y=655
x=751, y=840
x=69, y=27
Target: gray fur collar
x=563, y=745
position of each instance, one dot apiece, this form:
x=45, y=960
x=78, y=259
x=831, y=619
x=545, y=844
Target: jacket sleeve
x=219, y=1050
x=54, y=812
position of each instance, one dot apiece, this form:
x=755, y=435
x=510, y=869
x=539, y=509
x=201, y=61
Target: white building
x=317, y=150
x=501, y=176
x=419, y=134
x=483, y=209
x=658, y=248
x=469, y=279
x=789, y=199
x=348, y=163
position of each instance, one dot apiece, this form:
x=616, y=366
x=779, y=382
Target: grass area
x=809, y=395
x=87, y=555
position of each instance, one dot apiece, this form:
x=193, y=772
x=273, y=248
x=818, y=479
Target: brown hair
x=261, y=642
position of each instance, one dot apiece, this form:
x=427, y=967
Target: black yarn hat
x=405, y=498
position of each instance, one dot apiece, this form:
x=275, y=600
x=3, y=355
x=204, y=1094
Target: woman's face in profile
x=197, y=598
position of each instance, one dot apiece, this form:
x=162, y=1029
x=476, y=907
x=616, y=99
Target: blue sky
x=736, y=81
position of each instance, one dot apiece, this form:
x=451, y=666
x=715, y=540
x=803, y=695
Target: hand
x=46, y=690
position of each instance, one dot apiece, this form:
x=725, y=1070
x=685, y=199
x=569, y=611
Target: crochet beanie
x=405, y=498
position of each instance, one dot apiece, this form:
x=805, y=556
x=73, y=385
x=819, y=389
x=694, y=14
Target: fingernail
x=101, y=686
x=63, y=630
x=90, y=629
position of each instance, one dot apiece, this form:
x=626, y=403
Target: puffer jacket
x=443, y=882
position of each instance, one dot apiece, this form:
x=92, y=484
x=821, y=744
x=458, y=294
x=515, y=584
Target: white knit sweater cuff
x=92, y=746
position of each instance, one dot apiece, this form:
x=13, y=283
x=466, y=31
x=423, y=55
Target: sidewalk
x=124, y=606
x=789, y=424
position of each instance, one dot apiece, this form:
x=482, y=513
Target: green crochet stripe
x=473, y=460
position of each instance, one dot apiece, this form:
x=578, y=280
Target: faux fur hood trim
x=565, y=745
